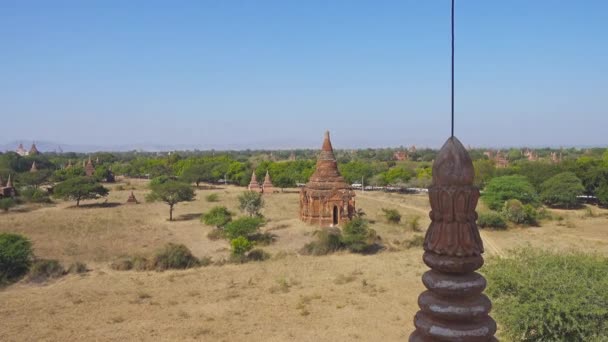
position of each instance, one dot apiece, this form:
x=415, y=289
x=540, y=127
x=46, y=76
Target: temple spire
x=267, y=187
x=253, y=184
x=9, y=182
x=34, y=168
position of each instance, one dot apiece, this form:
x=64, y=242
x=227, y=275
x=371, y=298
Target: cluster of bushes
x=17, y=260
x=512, y=211
x=242, y=233
x=356, y=237
x=171, y=256
x=543, y=296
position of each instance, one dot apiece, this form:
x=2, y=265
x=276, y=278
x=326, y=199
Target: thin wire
x=452, y=68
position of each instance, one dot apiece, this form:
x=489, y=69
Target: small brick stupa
x=34, y=168
x=89, y=169
x=267, y=187
x=132, y=199
x=253, y=184
x=327, y=199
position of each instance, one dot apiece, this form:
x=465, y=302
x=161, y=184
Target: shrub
x=258, y=255
x=243, y=226
x=7, y=203
x=122, y=264
x=15, y=256
x=516, y=212
x=263, y=239
x=216, y=234
x=415, y=241
x=212, y=197
x=414, y=224
x=218, y=216
x=501, y=189
x=562, y=190
x=174, y=256
x=35, y=195
x=251, y=202
x=542, y=296
x=240, y=245
x=328, y=240
x=43, y=270
x=392, y=215
x=491, y=219
x=358, y=237
x=77, y=267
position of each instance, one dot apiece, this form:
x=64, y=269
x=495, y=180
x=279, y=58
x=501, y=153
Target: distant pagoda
x=267, y=187
x=89, y=169
x=253, y=184
x=33, y=150
x=34, y=168
x=21, y=151
x=132, y=199
x=327, y=199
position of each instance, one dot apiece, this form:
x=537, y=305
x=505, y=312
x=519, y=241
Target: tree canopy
x=501, y=189
x=562, y=190
x=171, y=192
x=79, y=188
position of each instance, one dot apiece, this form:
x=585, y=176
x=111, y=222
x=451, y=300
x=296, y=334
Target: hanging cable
x=452, y=68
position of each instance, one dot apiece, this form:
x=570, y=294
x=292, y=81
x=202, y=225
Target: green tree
x=484, y=171
x=562, y=190
x=398, y=174
x=244, y=226
x=218, y=216
x=196, y=173
x=64, y=174
x=171, y=192
x=251, y=202
x=15, y=256
x=34, y=179
x=602, y=193
x=357, y=236
x=7, y=203
x=79, y=188
x=501, y=189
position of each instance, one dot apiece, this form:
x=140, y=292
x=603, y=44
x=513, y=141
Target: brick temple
x=327, y=200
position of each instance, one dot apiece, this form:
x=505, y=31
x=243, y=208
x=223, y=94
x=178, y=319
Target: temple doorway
x=335, y=215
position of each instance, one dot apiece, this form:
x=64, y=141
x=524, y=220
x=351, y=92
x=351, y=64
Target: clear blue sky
x=279, y=73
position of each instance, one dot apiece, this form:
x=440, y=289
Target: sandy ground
x=342, y=297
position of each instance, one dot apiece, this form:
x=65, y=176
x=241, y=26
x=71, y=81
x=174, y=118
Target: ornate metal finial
x=453, y=308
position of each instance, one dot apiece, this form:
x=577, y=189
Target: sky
x=277, y=74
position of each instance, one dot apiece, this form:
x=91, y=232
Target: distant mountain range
x=49, y=146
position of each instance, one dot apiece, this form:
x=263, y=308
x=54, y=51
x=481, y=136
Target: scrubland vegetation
x=77, y=233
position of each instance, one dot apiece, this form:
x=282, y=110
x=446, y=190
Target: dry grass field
x=341, y=297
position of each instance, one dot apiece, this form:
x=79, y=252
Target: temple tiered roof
x=326, y=175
